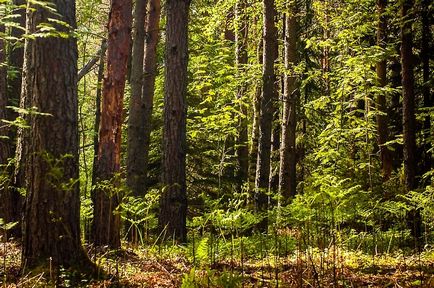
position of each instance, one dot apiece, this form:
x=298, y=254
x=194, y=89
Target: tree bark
x=150, y=73
x=173, y=202
x=136, y=174
x=287, y=183
x=382, y=125
x=106, y=220
x=268, y=102
x=241, y=34
x=51, y=230
x=414, y=220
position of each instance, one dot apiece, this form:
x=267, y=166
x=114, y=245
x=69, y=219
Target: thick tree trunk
x=241, y=33
x=408, y=112
x=267, y=108
x=382, y=125
x=287, y=183
x=106, y=220
x=51, y=230
x=136, y=174
x=173, y=202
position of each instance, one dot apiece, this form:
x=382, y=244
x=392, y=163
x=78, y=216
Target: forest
x=216, y=143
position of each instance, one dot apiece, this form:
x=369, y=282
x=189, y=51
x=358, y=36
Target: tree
x=51, y=228
x=150, y=72
x=267, y=108
x=173, y=202
x=287, y=183
x=106, y=220
x=136, y=173
x=381, y=69
x=241, y=33
x=408, y=114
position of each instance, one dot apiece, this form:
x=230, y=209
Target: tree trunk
x=102, y=56
x=253, y=151
x=51, y=229
x=173, y=202
x=408, y=113
x=267, y=108
x=150, y=73
x=241, y=34
x=382, y=125
x=287, y=183
x=106, y=220
x=135, y=151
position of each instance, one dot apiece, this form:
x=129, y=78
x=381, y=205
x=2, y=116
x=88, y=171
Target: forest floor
x=145, y=268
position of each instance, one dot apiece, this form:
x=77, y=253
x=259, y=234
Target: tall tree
x=150, y=72
x=135, y=150
x=173, y=202
x=287, y=183
x=267, y=108
x=241, y=33
x=408, y=114
x=51, y=228
x=106, y=220
x=382, y=125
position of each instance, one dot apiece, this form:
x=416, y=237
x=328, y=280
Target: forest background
x=222, y=132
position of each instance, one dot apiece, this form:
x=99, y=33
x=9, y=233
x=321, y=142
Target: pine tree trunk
x=150, y=73
x=51, y=227
x=88, y=232
x=287, y=184
x=136, y=174
x=408, y=112
x=267, y=108
x=382, y=125
x=106, y=220
x=241, y=60
x=173, y=202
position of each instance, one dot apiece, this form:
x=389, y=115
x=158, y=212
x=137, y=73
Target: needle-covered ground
x=171, y=267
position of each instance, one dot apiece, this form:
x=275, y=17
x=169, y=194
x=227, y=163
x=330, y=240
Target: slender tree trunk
x=51, y=226
x=150, y=73
x=106, y=220
x=256, y=101
x=408, y=112
x=241, y=34
x=88, y=232
x=395, y=111
x=135, y=151
x=268, y=102
x=287, y=184
x=173, y=202
x=382, y=125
